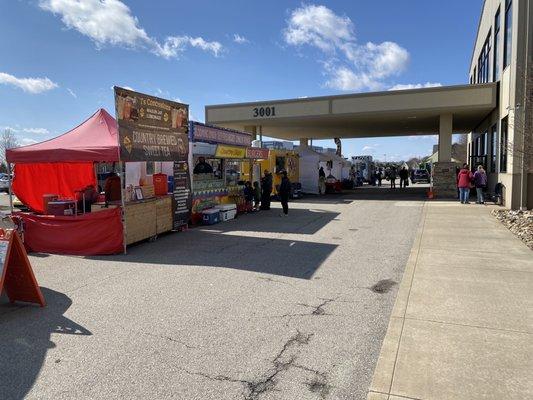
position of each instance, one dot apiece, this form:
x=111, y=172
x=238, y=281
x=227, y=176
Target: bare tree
x=459, y=148
x=8, y=140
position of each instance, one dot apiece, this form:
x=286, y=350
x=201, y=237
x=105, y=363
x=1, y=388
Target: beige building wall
x=511, y=95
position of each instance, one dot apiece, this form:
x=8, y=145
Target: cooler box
x=61, y=207
x=47, y=198
x=160, y=184
x=171, y=184
x=227, y=211
x=211, y=216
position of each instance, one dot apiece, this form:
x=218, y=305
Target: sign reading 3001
x=258, y=112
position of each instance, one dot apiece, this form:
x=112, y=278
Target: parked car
x=4, y=182
x=420, y=175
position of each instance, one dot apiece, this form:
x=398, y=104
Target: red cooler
x=160, y=184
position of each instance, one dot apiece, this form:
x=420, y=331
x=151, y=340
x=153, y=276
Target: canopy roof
x=95, y=139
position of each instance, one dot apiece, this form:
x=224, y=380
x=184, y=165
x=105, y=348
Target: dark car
x=420, y=175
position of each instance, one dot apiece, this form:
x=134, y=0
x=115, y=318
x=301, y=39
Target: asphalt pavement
x=262, y=307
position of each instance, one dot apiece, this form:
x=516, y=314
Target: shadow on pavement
x=25, y=339
x=291, y=258
x=299, y=221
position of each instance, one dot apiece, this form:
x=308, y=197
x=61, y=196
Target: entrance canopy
x=95, y=139
x=392, y=113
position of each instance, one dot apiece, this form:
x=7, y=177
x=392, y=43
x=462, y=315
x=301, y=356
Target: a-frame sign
x=16, y=274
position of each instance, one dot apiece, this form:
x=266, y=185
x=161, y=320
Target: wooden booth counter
x=144, y=219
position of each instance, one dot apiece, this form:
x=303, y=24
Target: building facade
x=503, y=141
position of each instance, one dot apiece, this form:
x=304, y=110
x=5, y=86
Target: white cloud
x=240, y=39
x=110, y=22
x=30, y=85
x=431, y=138
x=27, y=141
x=71, y=92
x=370, y=148
x=175, y=45
x=318, y=26
x=18, y=129
x=39, y=131
x=360, y=67
x=415, y=86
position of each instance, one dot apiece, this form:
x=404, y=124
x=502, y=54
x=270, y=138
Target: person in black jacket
x=266, y=191
x=284, y=192
x=404, y=177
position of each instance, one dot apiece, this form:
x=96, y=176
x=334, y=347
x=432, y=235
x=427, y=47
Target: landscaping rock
x=518, y=222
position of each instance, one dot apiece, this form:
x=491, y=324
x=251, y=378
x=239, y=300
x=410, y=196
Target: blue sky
x=60, y=58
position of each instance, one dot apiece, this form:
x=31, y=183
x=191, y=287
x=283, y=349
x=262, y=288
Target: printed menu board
x=150, y=128
x=182, y=194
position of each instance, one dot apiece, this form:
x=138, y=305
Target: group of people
x=258, y=197
x=393, y=173
x=467, y=180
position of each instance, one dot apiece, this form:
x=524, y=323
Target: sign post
x=16, y=274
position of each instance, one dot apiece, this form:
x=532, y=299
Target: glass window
x=475, y=75
x=496, y=61
x=483, y=62
x=508, y=34
x=233, y=172
x=493, y=146
x=503, y=145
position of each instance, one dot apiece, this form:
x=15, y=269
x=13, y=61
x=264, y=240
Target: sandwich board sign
x=16, y=275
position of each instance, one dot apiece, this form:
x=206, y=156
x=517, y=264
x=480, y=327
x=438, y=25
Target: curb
x=384, y=372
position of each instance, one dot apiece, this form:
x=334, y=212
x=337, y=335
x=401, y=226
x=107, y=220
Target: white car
x=4, y=182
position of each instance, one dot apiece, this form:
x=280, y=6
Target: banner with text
x=150, y=128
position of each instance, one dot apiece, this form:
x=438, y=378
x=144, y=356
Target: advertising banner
x=182, y=199
x=257, y=153
x=230, y=152
x=212, y=134
x=150, y=128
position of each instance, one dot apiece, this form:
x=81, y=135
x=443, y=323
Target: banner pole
x=122, y=167
x=10, y=190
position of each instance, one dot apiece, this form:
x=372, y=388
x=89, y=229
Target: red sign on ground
x=16, y=274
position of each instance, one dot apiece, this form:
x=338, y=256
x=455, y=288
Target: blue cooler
x=170, y=184
x=210, y=216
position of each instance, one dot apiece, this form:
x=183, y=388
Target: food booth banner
x=150, y=128
x=95, y=233
x=257, y=153
x=230, y=152
x=214, y=134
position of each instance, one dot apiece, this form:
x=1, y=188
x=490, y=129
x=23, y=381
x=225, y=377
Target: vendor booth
x=310, y=162
x=216, y=156
x=276, y=160
x=72, y=211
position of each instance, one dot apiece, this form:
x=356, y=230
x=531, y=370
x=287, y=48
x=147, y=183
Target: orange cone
x=430, y=193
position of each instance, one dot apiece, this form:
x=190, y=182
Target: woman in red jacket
x=464, y=180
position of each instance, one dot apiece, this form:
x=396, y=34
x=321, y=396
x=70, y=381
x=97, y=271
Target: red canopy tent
x=62, y=166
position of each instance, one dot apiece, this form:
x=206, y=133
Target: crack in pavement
x=255, y=388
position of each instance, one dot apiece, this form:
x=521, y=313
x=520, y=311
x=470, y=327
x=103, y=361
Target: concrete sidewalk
x=462, y=324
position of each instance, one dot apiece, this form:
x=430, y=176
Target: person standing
x=379, y=176
x=257, y=195
x=480, y=181
x=321, y=181
x=392, y=176
x=248, y=196
x=284, y=193
x=404, y=175
x=464, y=180
x=266, y=190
